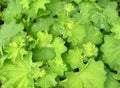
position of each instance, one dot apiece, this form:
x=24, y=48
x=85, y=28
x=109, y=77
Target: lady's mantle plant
x=59, y=43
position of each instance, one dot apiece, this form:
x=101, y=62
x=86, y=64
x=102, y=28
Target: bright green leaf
x=43, y=39
x=58, y=45
x=46, y=80
x=24, y=3
x=57, y=65
x=111, y=82
x=78, y=33
x=18, y=73
x=111, y=52
x=8, y=31
x=92, y=35
x=91, y=76
x=42, y=24
x=116, y=29
x=36, y=5
x=12, y=11
x=74, y=58
x=90, y=49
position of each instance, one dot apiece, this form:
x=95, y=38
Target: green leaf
x=42, y=4
x=111, y=52
x=74, y=58
x=77, y=1
x=102, y=19
x=91, y=76
x=58, y=45
x=78, y=33
x=62, y=26
x=42, y=13
x=86, y=9
x=55, y=6
x=2, y=60
x=103, y=3
x=92, y=0
x=111, y=8
x=57, y=29
x=47, y=79
x=14, y=51
x=8, y=31
x=43, y=39
x=90, y=50
x=24, y=3
x=1, y=50
x=58, y=66
x=69, y=7
x=116, y=29
x=92, y=35
x=12, y=11
x=111, y=82
x=36, y=5
x=19, y=74
x=42, y=24
x=43, y=54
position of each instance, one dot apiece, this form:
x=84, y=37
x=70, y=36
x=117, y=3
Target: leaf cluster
x=59, y=43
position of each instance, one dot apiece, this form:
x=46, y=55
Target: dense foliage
x=59, y=43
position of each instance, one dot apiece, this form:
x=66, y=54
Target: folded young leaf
x=57, y=65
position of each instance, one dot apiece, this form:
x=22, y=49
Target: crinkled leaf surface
x=58, y=45
x=74, y=58
x=41, y=24
x=15, y=52
x=13, y=10
x=8, y=31
x=47, y=80
x=78, y=33
x=43, y=39
x=116, y=29
x=111, y=51
x=90, y=50
x=36, y=5
x=57, y=65
x=86, y=9
x=55, y=8
x=92, y=76
x=102, y=18
x=24, y=3
x=93, y=34
x=18, y=73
